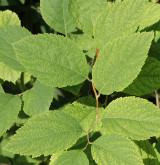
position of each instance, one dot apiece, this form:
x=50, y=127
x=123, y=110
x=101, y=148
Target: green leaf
x=86, y=14
x=85, y=43
x=132, y=117
x=148, y=154
x=38, y=99
x=124, y=55
x=57, y=14
x=6, y=73
x=55, y=60
x=1, y=89
x=83, y=113
x=8, y=18
x=48, y=133
x=74, y=89
x=115, y=150
x=124, y=18
x=9, y=35
x=9, y=109
x=148, y=80
x=73, y=157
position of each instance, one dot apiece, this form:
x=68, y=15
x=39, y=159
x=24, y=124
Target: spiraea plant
x=105, y=56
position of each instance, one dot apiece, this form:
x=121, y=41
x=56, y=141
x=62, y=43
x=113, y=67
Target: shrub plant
x=107, y=55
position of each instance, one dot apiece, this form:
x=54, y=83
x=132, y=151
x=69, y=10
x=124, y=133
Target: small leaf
x=9, y=109
x=8, y=18
x=132, y=117
x=57, y=14
x=124, y=55
x=49, y=132
x=37, y=99
x=148, y=80
x=115, y=150
x=55, y=60
x=73, y=157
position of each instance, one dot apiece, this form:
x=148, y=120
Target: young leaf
x=45, y=134
x=73, y=157
x=38, y=99
x=55, y=60
x=148, y=80
x=8, y=18
x=124, y=55
x=132, y=117
x=58, y=15
x=9, y=35
x=115, y=150
x=9, y=109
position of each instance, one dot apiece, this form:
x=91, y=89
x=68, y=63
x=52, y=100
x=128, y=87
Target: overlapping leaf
x=148, y=154
x=8, y=18
x=73, y=157
x=55, y=60
x=148, y=80
x=132, y=117
x=115, y=150
x=123, y=18
x=6, y=73
x=38, y=99
x=9, y=109
x=9, y=35
x=58, y=15
x=87, y=13
x=124, y=55
x=45, y=134
x=83, y=113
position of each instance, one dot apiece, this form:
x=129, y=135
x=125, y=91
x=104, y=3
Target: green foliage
x=8, y=18
x=9, y=109
x=115, y=150
x=70, y=157
x=126, y=116
x=58, y=15
x=112, y=58
x=65, y=95
x=51, y=59
x=148, y=79
x=50, y=132
x=37, y=99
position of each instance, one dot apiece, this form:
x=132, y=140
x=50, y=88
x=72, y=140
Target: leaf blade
x=55, y=130
x=115, y=150
x=51, y=60
x=125, y=118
